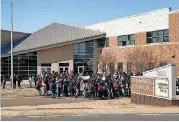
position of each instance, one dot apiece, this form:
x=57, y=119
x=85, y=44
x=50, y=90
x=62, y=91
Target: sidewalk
x=34, y=101
x=88, y=107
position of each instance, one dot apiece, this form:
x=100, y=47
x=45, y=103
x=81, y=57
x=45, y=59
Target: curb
x=144, y=114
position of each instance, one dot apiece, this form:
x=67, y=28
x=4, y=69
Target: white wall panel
x=150, y=21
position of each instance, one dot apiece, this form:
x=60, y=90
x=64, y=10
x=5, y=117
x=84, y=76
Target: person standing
x=14, y=81
x=33, y=79
x=58, y=84
x=53, y=88
x=19, y=81
x=65, y=87
x=77, y=88
x=38, y=87
x=45, y=89
x=30, y=81
x=92, y=90
x=3, y=82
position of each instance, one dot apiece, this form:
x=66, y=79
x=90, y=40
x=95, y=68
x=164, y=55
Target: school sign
x=155, y=87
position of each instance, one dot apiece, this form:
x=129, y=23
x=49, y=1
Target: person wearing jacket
x=53, y=88
x=19, y=80
x=59, y=86
x=38, y=87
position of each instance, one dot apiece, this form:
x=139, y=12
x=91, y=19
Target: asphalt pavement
x=144, y=117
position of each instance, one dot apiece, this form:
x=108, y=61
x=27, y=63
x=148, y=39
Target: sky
x=32, y=15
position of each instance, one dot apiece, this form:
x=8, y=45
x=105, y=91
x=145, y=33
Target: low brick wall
x=149, y=100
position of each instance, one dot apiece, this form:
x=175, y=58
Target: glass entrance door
x=80, y=69
x=63, y=70
x=46, y=69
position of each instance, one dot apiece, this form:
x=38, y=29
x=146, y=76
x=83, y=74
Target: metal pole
x=11, y=46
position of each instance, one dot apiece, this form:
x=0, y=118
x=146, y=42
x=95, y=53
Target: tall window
x=151, y=66
x=111, y=67
x=126, y=40
x=103, y=67
x=103, y=42
x=129, y=67
x=120, y=67
x=23, y=64
x=157, y=36
x=139, y=68
x=83, y=54
x=46, y=67
x=163, y=63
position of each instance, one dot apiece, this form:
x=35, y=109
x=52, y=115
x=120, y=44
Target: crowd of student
x=92, y=86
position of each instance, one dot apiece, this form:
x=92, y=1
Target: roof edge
x=176, y=11
x=168, y=8
x=15, y=31
x=57, y=45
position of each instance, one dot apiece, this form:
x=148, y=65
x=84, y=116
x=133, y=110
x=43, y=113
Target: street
x=142, y=117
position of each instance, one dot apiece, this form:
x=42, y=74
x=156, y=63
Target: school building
x=59, y=47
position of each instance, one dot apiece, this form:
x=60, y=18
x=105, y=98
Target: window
x=83, y=52
x=103, y=42
x=103, y=68
x=111, y=67
x=106, y=42
x=46, y=64
x=129, y=67
x=126, y=40
x=163, y=64
x=157, y=36
x=139, y=68
x=63, y=64
x=151, y=66
x=120, y=67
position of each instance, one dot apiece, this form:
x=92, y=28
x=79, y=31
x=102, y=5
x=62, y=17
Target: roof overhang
x=57, y=45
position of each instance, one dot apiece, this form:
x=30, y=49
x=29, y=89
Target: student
x=53, y=88
x=19, y=81
x=14, y=81
x=38, y=87
x=30, y=81
x=3, y=82
x=77, y=88
x=45, y=89
x=92, y=90
x=58, y=85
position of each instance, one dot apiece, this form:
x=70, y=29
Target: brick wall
x=149, y=100
x=174, y=36
x=140, y=38
x=174, y=27
x=164, y=52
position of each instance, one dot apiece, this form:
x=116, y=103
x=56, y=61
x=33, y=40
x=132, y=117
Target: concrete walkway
x=7, y=102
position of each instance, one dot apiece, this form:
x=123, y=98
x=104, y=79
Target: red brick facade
x=165, y=52
x=174, y=27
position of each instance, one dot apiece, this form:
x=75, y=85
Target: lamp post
x=11, y=46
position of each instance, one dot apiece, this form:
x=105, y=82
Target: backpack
x=92, y=87
x=52, y=86
x=100, y=88
x=116, y=85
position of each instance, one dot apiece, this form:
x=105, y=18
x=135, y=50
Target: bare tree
x=106, y=57
x=141, y=58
